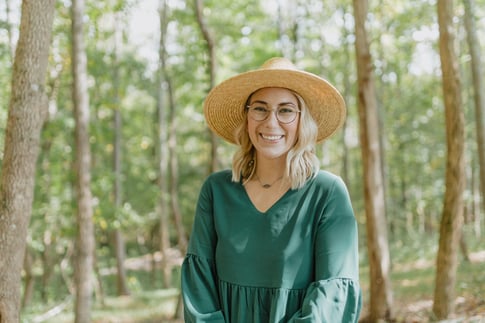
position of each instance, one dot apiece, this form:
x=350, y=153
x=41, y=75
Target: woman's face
x=272, y=138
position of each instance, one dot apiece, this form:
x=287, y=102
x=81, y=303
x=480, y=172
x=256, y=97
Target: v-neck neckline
x=271, y=207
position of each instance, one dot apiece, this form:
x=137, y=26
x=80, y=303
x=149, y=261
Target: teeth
x=271, y=137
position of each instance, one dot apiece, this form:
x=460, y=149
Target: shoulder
x=329, y=185
x=324, y=175
x=328, y=180
x=219, y=179
x=335, y=196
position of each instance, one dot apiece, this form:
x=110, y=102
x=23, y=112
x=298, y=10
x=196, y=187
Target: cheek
x=251, y=128
x=293, y=131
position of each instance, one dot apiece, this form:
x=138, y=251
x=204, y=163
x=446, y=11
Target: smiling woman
x=275, y=238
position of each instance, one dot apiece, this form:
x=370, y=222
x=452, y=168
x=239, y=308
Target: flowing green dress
x=296, y=262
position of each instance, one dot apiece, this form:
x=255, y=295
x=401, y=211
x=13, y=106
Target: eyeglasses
x=284, y=113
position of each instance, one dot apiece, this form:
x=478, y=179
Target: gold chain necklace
x=266, y=186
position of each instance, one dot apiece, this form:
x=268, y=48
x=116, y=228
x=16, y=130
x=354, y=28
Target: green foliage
x=317, y=35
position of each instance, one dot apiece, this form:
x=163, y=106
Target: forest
x=104, y=147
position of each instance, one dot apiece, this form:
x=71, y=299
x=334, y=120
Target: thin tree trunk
x=478, y=88
x=377, y=243
x=172, y=144
x=119, y=242
x=346, y=94
x=476, y=204
x=47, y=264
x=8, y=27
x=209, y=39
x=163, y=150
x=29, y=279
x=98, y=287
x=452, y=216
x=26, y=115
x=83, y=269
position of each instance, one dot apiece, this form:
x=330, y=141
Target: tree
x=84, y=255
x=26, y=115
x=119, y=241
x=478, y=89
x=8, y=27
x=377, y=243
x=163, y=145
x=209, y=39
x=452, y=214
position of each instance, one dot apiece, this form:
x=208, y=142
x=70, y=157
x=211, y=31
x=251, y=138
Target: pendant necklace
x=266, y=186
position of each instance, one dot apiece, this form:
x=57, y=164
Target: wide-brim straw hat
x=224, y=106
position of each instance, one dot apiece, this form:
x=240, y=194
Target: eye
x=286, y=110
x=260, y=109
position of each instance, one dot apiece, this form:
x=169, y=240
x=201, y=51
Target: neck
x=269, y=172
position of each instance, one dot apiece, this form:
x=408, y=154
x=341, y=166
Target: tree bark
x=452, y=215
x=174, y=172
x=377, y=243
x=209, y=39
x=163, y=151
x=478, y=88
x=119, y=242
x=26, y=115
x=8, y=27
x=29, y=279
x=347, y=51
x=84, y=256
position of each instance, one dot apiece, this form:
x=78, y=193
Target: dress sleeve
x=199, y=276
x=335, y=295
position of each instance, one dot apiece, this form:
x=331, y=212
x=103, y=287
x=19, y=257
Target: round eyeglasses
x=284, y=113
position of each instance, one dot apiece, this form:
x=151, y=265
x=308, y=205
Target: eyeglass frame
x=275, y=111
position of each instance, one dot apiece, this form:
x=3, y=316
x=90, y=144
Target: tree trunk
x=347, y=50
x=478, y=89
x=163, y=149
x=83, y=270
x=172, y=144
x=8, y=27
x=452, y=216
x=26, y=115
x=119, y=242
x=48, y=264
x=377, y=243
x=29, y=279
x=209, y=39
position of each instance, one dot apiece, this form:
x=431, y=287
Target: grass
x=413, y=279
x=141, y=307
x=412, y=276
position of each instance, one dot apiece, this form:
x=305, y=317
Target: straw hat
x=224, y=105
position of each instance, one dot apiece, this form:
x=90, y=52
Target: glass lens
x=284, y=114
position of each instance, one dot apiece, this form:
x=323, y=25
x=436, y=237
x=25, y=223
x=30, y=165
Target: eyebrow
x=279, y=104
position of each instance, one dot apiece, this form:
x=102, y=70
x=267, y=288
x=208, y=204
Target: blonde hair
x=301, y=161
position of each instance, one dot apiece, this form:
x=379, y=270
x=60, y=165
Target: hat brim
x=225, y=103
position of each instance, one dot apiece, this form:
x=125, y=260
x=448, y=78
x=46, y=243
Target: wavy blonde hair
x=301, y=161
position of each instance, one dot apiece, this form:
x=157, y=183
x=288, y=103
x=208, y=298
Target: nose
x=272, y=119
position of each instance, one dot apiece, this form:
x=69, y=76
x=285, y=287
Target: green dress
x=296, y=262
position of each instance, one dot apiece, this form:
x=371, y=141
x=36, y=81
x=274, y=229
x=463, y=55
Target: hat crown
x=224, y=105
x=278, y=63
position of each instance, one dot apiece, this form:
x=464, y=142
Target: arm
x=335, y=294
x=199, y=276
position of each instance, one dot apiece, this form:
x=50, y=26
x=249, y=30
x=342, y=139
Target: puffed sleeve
x=199, y=276
x=335, y=295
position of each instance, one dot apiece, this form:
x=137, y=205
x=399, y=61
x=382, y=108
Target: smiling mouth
x=272, y=138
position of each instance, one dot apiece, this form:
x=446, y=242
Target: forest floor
x=412, y=284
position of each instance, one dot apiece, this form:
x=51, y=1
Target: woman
x=275, y=239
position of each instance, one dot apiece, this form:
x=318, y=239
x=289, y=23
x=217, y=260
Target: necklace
x=266, y=186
